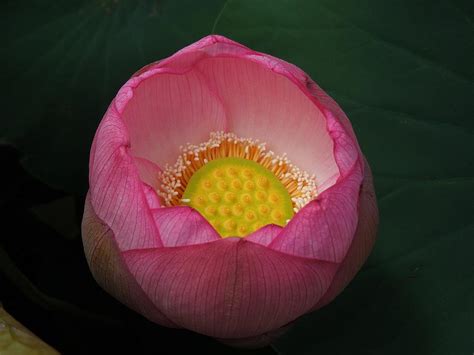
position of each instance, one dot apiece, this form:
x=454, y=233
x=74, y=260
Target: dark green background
x=402, y=70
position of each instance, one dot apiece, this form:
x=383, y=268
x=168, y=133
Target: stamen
x=174, y=179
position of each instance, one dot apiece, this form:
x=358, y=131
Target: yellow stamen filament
x=236, y=184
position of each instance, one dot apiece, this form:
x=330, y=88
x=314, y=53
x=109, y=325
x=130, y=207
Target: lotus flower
x=228, y=194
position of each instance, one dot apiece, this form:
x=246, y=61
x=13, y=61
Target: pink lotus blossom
x=167, y=260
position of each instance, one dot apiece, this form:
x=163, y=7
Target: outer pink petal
x=362, y=243
x=109, y=269
x=118, y=196
x=183, y=226
x=324, y=228
x=231, y=288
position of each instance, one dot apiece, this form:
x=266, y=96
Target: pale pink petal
x=362, y=243
x=118, y=196
x=148, y=171
x=231, y=288
x=330, y=105
x=164, y=110
x=256, y=91
x=151, y=196
x=321, y=98
x=325, y=227
x=109, y=269
x=265, y=235
x=183, y=225
x=223, y=81
x=268, y=106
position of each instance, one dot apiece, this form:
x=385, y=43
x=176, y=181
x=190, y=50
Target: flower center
x=238, y=196
x=236, y=184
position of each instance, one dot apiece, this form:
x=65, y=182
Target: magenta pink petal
x=183, y=225
x=324, y=228
x=265, y=235
x=231, y=288
x=118, y=196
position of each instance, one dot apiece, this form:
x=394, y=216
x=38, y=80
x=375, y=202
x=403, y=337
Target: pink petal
x=265, y=235
x=118, y=196
x=151, y=196
x=231, y=288
x=263, y=104
x=109, y=269
x=362, y=243
x=183, y=225
x=148, y=171
x=256, y=91
x=321, y=98
x=325, y=227
x=330, y=105
x=165, y=109
x=209, y=46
